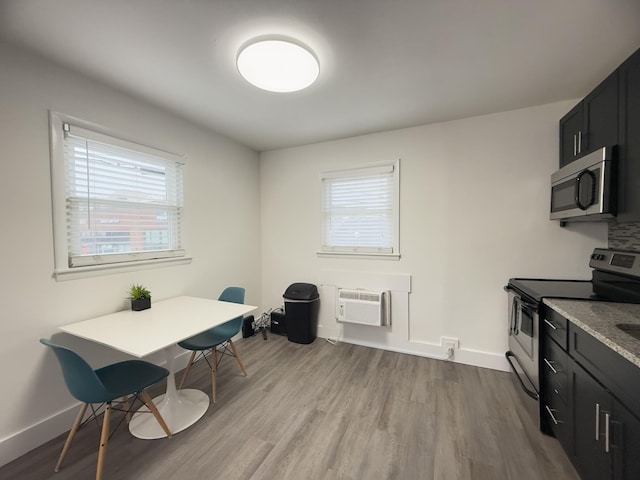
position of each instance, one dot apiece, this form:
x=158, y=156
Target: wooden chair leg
x=72, y=433
x=235, y=354
x=104, y=439
x=214, y=370
x=186, y=370
x=152, y=406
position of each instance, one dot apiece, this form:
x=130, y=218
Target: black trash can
x=301, y=305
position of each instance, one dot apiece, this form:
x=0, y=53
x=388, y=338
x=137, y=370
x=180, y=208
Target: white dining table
x=159, y=329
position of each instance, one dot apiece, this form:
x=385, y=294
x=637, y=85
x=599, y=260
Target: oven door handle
x=526, y=303
x=531, y=392
x=532, y=307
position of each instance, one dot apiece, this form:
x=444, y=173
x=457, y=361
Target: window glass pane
x=120, y=201
x=359, y=210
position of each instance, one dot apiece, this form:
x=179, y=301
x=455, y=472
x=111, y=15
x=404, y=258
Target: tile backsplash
x=624, y=236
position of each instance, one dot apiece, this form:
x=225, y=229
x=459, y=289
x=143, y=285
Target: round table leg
x=179, y=408
x=179, y=411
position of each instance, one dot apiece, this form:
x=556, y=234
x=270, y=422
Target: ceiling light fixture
x=278, y=65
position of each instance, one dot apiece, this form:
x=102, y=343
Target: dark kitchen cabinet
x=590, y=401
x=591, y=124
x=556, y=393
x=593, y=407
x=570, y=127
x=625, y=443
x=629, y=141
x=606, y=435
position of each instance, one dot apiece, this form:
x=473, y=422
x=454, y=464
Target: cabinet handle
x=575, y=145
x=607, y=418
x=579, y=141
x=597, y=422
x=550, y=366
x=550, y=324
x=550, y=412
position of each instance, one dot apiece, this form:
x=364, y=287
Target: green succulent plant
x=136, y=292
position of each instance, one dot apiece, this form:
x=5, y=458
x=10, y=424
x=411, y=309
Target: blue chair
x=104, y=386
x=214, y=338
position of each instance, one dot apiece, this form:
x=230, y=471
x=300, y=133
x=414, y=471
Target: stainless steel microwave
x=585, y=189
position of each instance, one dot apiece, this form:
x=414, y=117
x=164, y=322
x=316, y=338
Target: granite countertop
x=600, y=319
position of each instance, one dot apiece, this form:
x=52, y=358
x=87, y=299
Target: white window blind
x=124, y=201
x=360, y=210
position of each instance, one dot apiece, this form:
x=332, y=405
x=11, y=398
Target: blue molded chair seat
x=124, y=378
x=215, y=337
x=104, y=386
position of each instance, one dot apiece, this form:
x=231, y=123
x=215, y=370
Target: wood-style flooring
x=325, y=412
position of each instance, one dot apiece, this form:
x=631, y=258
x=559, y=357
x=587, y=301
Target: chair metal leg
x=214, y=370
x=127, y=406
x=235, y=354
x=76, y=424
x=186, y=371
x=104, y=439
x=152, y=406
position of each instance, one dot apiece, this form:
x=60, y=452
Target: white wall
x=474, y=212
x=222, y=234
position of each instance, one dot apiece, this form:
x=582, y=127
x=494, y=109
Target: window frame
x=360, y=251
x=62, y=269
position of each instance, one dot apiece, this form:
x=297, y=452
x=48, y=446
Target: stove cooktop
x=537, y=289
x=615, y=278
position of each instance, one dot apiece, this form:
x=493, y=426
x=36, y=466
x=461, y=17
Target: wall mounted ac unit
x=364, y=307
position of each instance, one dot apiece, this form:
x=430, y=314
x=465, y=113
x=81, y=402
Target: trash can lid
x=301, y=291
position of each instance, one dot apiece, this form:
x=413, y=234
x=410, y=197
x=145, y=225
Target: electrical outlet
x=450, y=343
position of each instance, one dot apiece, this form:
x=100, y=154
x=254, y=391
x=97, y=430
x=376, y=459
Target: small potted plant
x=140, y=297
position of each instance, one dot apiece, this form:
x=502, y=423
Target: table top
x=164, y=324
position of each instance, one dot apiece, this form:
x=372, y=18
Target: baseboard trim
x=465, y=356
x=16, y=445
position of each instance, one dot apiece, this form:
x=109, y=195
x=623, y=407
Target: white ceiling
x=385, y=64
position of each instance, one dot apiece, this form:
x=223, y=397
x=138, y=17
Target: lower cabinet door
x=557, y=417
x=555, y=398
x=593, y=410
x=625, y=444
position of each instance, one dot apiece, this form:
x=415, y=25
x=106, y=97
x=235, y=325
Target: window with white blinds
x=123, y=201
x=360, y=209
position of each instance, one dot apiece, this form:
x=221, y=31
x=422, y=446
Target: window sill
x=366, y=256
x=62, y=275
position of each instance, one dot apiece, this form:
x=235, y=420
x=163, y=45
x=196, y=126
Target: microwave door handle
x=578, y=187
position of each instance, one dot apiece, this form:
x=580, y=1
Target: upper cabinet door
x=570, y=127
x=601, y=116
x=591, y=124
x=629, y=142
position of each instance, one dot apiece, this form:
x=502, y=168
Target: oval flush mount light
x=278, y=65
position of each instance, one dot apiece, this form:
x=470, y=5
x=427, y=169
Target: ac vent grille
x=349, y=295
x=370, y=297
